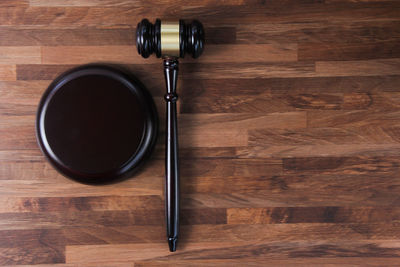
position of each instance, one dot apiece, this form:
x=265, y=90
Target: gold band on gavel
x=170, y=39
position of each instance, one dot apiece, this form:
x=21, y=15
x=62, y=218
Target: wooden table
x=289, y=133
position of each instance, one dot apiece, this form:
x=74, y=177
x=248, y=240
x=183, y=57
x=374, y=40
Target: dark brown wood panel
x=289, y=130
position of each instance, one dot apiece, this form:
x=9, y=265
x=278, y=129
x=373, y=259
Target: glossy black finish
x=148, y=41
x=96, y=124
x=191, y=38
x=171, y=155
x=148, y=38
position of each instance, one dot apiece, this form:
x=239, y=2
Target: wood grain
x=289, y=130
x=128, y=54
x=20, y=55
x=7, y=72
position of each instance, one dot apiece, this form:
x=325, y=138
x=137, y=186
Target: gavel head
x=169, y=39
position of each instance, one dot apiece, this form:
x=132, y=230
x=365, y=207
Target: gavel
x=170, y=40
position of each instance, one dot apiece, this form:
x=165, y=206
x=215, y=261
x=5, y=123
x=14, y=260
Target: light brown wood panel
x=91, y=219
x=311, y=215
x=289, y=131
x=372, y=120
x=345, y=262
x=22, y=92
x=322, y=136
x=20, y=55
x=253, y=70
x=317, y=150
x=269, y=103
x=321, y=32
x=14, y=3
x=71, y=204
x=28, y=36
x=7, y=73
x=94, y=254
x=90, y=54
x=128, y=3
x=41, y=188
x=217, y=121
x=256, y=233
x=109, y=16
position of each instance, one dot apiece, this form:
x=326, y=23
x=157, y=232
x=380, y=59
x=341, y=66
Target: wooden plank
x=24, y=125
x=367, y=120
x=137, y=187
x=92, y=54
x=215, y=250
x=20, y=55
x=348, y=51
x=285, y=120
x=321, y=136
x=293, y=250
x=20, y=98
x=127, y=3
x=116, y=264
x=244, y=71
x=18, y=155
x=8, y=73
x=14, y=3
x=32, y=247
x=272, y=189
x=344, y=261
x=359, y=68
x=72, y=204
x=207, y=137
x=137, y=234
x=312, y=215
x=269, y=103
x=269, y=87
x=235, y=234
x=317, y=150
x=25, y=36
x=22, y=92
x=109, y=218
x=288, y=232
x=320, y=32
x=240, y=52
x=130, y=252
x=281, y=194
x=294, y=189
x=251, y=70
x=304, y=94
x=343, y=165
x=109, y=16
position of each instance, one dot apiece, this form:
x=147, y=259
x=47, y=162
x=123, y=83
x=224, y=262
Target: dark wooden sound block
x=96, y=124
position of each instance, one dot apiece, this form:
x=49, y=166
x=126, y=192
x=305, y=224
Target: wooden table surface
x=289, y=133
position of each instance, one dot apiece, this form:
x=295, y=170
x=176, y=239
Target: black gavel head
x=169, y=39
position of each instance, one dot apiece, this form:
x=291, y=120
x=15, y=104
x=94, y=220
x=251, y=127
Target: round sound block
x=96, y=124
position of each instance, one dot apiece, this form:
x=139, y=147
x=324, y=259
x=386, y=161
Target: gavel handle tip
x=172, y=244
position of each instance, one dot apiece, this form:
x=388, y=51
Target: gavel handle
x=171, y=154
